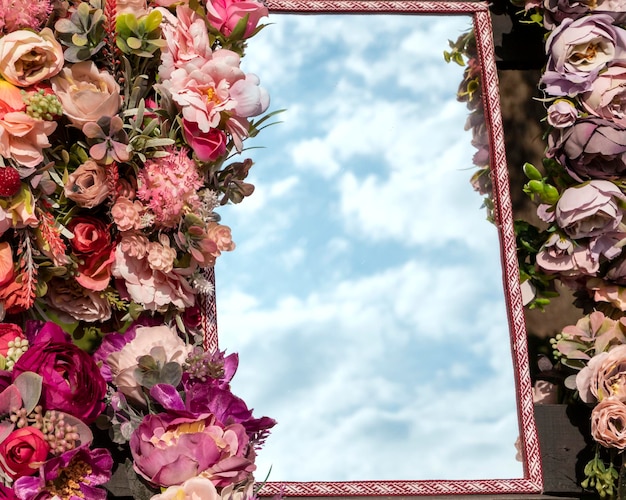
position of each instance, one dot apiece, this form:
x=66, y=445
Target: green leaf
x=133, y=43
x=153, y=20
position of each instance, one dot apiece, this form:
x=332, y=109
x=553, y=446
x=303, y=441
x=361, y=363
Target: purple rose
x=168, y=450
x=607, y=96
x=592, y=148
x=72, y=382
x=578, y=50
x=590, y=209
x=562, y=114
x=555, y=11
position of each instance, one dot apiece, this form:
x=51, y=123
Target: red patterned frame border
x=532, y=482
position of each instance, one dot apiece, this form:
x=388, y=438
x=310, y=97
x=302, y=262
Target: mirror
x=366, y=295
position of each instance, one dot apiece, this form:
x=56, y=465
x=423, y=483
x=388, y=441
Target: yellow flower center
x=212, y=96
x=170, y=437
x=68, y=482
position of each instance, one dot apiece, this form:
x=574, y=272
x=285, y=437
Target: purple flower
x=560, y=255
x=607, y=96
x=72, y=382
x=562, y=114
x=168, y=450
x=592, y=148
x=556, y=11
x=73, y=475
x=578, y=50
x=590, y=209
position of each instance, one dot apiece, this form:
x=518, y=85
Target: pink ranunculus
x=23, y=451
x=604, y=376
x=23, y=138
x=221, y=235
x=208, y=146
x=225, y=14
x=86, y=93
x=607, y=96
x=168, y=450
x=161, y=255
x=590, y=209
x=27, y=58
x=608, y=423
x=72, y=382
x=562, y=114
x=87, y=185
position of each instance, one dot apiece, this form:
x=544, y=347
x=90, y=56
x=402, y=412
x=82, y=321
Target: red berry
x=9, y=182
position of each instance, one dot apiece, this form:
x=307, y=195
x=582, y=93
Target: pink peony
x=607, y=96
x=604, y=376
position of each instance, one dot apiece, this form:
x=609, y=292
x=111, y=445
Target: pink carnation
x=18, y=14
x=168, y=187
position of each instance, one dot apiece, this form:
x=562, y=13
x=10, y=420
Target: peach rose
x=27, y=58
x=608, y=423
x=221, y=236
x=87, y=185
x=86, y=93
x=604, y=376
x=23, y=138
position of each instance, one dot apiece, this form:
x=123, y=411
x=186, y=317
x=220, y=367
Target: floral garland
x=581, y=199
x=119, y=124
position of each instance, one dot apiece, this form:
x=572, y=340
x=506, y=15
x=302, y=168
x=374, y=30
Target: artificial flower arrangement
x=119, y=126
x=580, y=192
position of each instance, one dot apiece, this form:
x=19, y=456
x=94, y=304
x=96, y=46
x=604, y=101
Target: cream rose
x=27, y=58
x=87, y=185
x=86, y=93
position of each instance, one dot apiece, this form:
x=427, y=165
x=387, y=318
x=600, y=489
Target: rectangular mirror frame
x=532, y=481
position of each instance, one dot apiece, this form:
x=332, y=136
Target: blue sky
x=365, y=294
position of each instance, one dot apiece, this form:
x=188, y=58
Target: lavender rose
x=72, y=382
x=591, y=148
x=608, y=423
x=562, y=114
x=590, y=209
x=168, y=450
x=578, y=50
x=607, y=96
x=560, y=255
x=604, y=376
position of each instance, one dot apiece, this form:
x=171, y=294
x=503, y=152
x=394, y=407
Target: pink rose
x=87, y=185
x=607, y=96
x=23, y=451
x=208, y=146
x=225, y=14
x=94, y=270
x=86, y=93
x=604, y=376
x=590, y=209
x=608, y=423
x=27, y=58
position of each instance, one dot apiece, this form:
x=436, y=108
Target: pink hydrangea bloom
x=168, y=186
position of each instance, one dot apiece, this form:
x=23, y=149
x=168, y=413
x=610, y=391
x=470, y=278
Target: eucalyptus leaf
x=29, y=385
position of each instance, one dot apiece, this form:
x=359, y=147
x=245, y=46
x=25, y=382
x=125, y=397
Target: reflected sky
x=365, y=294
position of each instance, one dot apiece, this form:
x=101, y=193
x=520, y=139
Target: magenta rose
x=207, y=146
x=590, y=209
x=578, y=50
x=591, y=148
x=168, y=450
x=225, y=14
x=72, y=382
x=23, y=451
